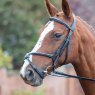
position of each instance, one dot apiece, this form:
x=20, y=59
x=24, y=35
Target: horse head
x=55, y=46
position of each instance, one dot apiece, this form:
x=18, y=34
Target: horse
x=65, y=39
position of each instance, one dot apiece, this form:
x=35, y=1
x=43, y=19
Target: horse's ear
x=66, y=9
x=51, y=8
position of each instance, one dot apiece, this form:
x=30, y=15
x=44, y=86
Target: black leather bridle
x=57, y=54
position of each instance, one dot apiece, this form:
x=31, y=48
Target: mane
x=90, y=28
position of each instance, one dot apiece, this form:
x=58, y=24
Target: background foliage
x=5, y=59
x=19, y=23
x=28, y=92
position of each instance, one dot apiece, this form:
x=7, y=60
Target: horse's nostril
x=29, y=75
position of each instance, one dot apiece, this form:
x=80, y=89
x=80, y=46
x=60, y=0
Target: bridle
x=57, y=54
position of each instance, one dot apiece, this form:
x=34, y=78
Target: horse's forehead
x=48, y=28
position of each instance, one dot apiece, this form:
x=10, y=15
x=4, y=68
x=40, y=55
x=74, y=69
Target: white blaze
x=48, y=29
x=42, y=36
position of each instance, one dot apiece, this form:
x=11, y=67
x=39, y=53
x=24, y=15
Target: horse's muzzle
x=32, y=78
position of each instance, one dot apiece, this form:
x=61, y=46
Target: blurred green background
x=20, y=21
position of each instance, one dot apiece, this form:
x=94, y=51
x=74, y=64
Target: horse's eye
x=57, y=35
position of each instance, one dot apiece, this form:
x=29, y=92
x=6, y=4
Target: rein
x=56, y=55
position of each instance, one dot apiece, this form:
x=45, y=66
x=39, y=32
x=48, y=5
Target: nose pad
x=29, y=75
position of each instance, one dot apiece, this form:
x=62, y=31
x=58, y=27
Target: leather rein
x=56, y=55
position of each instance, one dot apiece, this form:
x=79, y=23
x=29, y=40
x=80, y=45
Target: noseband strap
x=57, y=54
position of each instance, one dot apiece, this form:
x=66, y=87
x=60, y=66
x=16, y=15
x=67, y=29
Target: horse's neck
x=85, y=63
